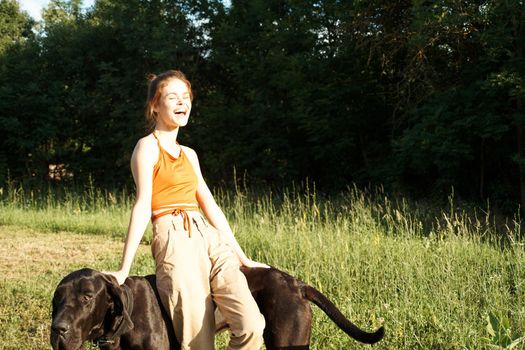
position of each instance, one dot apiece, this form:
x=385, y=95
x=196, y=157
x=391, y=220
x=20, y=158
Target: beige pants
x=196, y=272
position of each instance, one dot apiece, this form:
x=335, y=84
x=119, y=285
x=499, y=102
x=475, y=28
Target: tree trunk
x=519, y=139
x=482, y=170
x=520, y=50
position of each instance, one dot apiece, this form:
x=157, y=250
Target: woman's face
x=174, y=105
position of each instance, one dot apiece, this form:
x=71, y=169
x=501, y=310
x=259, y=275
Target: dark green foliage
x=418, y=96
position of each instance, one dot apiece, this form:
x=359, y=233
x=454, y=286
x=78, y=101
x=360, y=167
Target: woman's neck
x=167, y=135
x=168, y=141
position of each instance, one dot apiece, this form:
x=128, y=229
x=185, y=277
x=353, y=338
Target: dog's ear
x=121, y=304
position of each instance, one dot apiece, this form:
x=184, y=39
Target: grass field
x=432, y=277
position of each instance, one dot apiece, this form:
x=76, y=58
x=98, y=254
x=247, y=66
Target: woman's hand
x=119, y=275
x=250, y=263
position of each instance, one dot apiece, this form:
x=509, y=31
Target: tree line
x=418, y=96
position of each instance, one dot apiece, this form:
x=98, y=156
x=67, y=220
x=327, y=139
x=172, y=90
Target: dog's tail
x=340, y=320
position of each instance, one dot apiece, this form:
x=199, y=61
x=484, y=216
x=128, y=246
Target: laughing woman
x=197, y=256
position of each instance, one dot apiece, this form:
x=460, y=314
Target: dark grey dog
x=91, y=306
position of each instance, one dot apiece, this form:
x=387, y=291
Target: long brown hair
x=155, y=86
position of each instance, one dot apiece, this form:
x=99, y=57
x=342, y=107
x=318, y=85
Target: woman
x=197, y=259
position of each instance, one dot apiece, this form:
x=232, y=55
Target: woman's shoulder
x=149, y=139
x=189, y=151
x=146, y=147
x=147, y=142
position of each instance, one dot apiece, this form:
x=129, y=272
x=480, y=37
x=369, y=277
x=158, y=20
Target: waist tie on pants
x=176, y=211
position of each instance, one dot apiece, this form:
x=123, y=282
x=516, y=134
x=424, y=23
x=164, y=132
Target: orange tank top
x=174, y=184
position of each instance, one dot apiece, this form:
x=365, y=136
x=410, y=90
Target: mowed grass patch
x=31, y=265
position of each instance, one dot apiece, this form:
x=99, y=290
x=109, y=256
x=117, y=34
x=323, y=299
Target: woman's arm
x=214, y=213
x=142, y=162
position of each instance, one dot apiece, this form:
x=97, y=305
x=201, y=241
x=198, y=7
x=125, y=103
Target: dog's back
x=152, y=323
x=285, y=303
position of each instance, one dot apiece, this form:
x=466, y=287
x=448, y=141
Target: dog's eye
x=86, y=298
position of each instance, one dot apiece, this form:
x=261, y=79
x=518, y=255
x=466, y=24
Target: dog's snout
x=60, y=327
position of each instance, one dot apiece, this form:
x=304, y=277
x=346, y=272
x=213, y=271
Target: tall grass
x=87, y=209
x=432, y=276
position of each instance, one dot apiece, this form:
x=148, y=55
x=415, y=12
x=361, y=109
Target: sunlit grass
x=431, y=276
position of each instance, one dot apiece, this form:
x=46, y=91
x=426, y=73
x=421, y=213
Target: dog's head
x=87, y=305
